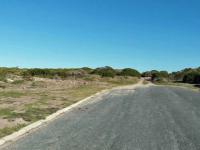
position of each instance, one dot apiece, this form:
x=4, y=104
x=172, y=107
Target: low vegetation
x=129, y=72
x=8, y=130
x=12, y=94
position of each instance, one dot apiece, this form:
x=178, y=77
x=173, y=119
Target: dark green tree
x=105, y=71
x=130, y=72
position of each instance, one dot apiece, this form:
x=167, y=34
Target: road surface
x=153, y=118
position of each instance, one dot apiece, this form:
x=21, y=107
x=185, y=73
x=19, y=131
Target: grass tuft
x=9, y=130
x=12, y=94
x=18, y=82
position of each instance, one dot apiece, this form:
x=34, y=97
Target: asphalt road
x=154, y=118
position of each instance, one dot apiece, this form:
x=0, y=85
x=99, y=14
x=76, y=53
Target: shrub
x=197, y=79
x=87, y=69
x=192, y=77
x=130, y=72
x=160, y=76
x=149, y=73
x=105, y=71
x=164, y=74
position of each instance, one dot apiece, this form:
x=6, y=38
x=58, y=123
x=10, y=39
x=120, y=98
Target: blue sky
x=142, y=34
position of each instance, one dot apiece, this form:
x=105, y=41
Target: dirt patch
x=11, y=122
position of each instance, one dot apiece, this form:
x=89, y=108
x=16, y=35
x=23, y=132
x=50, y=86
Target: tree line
x=69, y=72
x=187, y=75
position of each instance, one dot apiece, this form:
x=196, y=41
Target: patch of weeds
x=33, y=84
x=63, y=99
x=3, y=78
x=121, y=81
x=43, y=99
x=13, y=94
x=53, y=97
x=89, y=78
x=82, y=92
x=68, y=103
x=38, y=84
x=18, y=82
x=33, y=113
x=186, y=85
x=7, y=130
x=2, y=86
x=7, y=113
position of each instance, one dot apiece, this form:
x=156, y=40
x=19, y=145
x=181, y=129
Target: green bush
x=160, y=76
x=192, y=77
x=187, y=75
x=87, y=69
x=130, y=72
x=3, y=78
x=197, y=79
x=164, y=74
x=149, y=73
x=105, y=71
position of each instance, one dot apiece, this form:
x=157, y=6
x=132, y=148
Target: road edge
x=14, y=136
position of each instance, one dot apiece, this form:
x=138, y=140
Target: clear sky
x=142, y=34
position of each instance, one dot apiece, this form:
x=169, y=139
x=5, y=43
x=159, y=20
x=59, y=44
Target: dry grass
x=8, y=130
x=184, y=85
